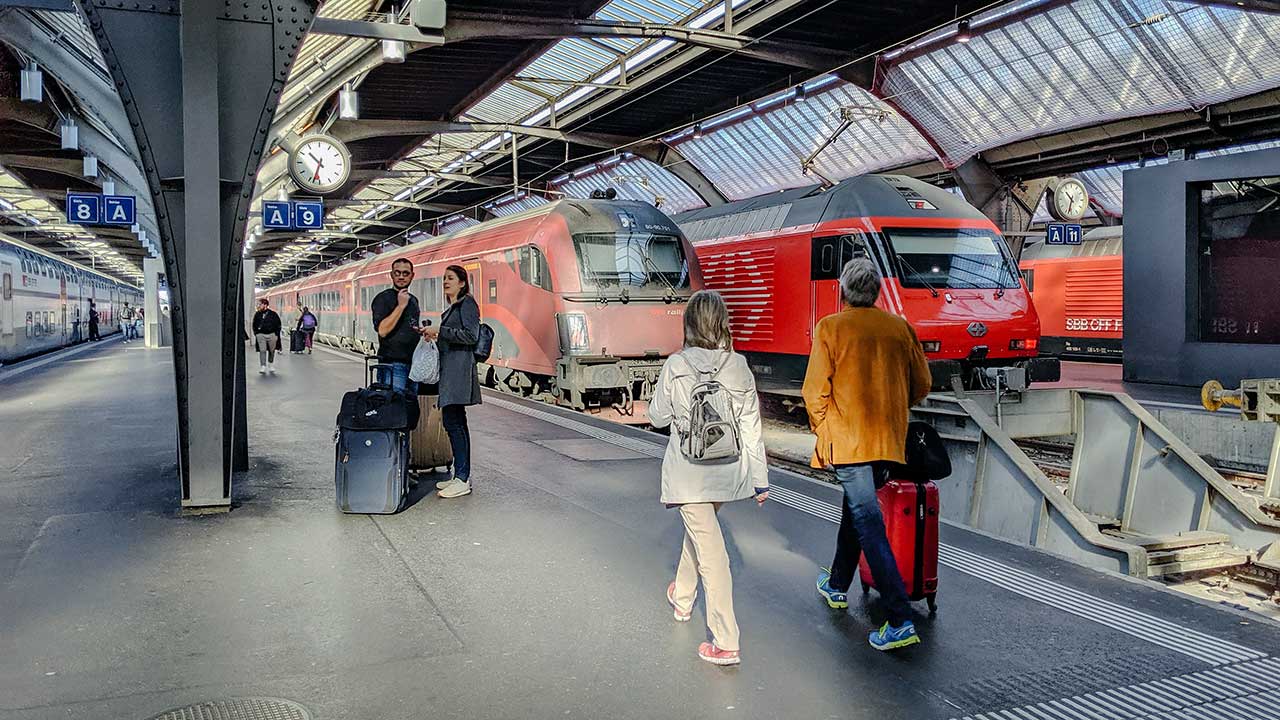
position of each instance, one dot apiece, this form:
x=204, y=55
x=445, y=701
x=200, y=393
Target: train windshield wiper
x=918, y=275
x=672, y=294
x=601, y=296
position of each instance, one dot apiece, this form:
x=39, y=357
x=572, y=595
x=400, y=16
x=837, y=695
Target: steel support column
x=199, y=81
x=1011, y=206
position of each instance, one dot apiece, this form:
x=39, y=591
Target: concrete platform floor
x=539, y=596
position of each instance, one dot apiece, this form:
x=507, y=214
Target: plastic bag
x=426, y=363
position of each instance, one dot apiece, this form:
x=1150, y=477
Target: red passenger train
x=585, y=297
x=1078, y=291
x=946, y=269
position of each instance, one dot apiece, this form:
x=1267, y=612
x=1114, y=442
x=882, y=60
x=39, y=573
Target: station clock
x=319, y=163
x=1069, y=201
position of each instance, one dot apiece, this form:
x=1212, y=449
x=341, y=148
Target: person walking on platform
x=93, y=322
x=865, y=372
x=457, y=337
x=139, y=325
x=699, y=486
x=307, y=324
x=126, y=322
x=395, y=319
x=266, y=336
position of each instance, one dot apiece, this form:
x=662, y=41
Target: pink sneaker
x=714, y=655
x=680, y=615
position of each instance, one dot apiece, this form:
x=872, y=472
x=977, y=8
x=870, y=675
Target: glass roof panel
x=635, y=178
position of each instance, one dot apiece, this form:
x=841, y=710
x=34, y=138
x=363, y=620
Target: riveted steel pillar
x=200, y=81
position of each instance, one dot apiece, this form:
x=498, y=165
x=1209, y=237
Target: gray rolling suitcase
x=371, y=466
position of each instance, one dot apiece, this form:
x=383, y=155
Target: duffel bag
x=378, y=407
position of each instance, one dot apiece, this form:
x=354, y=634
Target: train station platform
x=541, y=595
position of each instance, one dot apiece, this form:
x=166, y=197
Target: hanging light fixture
x=70, y=134
x=801, y=93
x=91, y=166
x=108, y=186
x=392, y=50
x=31, y=83
x=697, y=131
x=963, y=32
x=348, y=103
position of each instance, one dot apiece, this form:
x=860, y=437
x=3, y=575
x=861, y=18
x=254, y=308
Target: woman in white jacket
x=699, y=489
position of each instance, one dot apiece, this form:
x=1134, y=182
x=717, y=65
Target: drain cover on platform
x=239, y=709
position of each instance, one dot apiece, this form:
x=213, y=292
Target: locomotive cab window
x=953, y=259
x=533, y=267
x=832, y=253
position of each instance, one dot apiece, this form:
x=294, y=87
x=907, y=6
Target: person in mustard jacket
x=865, y=372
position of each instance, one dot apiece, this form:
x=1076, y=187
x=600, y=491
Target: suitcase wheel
x=932, y=599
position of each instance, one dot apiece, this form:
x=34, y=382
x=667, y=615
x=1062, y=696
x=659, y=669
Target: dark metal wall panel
x=1159, y=276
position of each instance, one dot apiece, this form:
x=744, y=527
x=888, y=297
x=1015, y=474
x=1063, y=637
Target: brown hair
x=706, y=322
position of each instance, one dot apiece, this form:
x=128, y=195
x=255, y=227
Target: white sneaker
x=271, y=369
x=262, y=370
x=456, y=488
x=445, y=483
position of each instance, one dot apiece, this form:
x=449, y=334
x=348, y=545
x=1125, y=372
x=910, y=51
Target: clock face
x=320, y=164
x=1070, y=200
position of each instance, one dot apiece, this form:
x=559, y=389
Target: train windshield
x=636, y=261
x=953, y=259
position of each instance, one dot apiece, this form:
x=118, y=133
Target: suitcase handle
x=370, y=367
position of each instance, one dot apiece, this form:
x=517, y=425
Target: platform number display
x=1063, y=234
x=308, y=214
x=119, y=210
x=84, y=208
x=276, y=215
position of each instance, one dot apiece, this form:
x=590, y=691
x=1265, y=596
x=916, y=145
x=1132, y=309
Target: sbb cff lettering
x=1095, y=324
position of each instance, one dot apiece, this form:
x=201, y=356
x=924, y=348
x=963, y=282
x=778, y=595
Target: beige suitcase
x=429, y=444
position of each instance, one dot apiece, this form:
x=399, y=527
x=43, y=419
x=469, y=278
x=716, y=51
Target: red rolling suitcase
x=911, y=521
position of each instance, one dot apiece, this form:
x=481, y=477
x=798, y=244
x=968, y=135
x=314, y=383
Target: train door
x=62, y=302
x=7, y=329
x=829, y=257
x=484, y=294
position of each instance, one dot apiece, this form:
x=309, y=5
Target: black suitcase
x=371, y=470
x=297, y=341
x=371, y=463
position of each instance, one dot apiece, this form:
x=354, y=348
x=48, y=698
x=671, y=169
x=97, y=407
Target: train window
x=825, y=256
x=29, y=325
x=533, y=267
x=493, y=291
x=8, y=286
x=1030, y=277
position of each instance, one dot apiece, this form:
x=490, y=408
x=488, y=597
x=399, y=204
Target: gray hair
x=860, y=282
x=706, y=322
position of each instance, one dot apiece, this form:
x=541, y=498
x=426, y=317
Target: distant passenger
x=266, y=335
x=699, y=489
x=395, y=318
x=139, y=326
x=126, y=322
x=93, y=322
x=307, y=324
x=457, y=337
x=865, y=371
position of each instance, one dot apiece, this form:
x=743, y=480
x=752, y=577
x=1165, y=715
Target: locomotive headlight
x=931, y=346
x=1028, y=344
x=573, y=332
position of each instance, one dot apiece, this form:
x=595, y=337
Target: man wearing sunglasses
x=395, y=317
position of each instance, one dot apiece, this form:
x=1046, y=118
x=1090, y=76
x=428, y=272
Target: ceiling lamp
x=392, y=50
x=108, y=186
x=348, y=103
x=70, y=134
x=31, y=83
x=697, y=131
x=91, y=166
x=963, y=32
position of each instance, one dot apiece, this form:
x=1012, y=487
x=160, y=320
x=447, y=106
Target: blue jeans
x=454, y=419
x=862, y=533
x=396, y=375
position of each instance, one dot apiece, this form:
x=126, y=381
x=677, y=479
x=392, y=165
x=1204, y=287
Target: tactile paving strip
x=253, y=708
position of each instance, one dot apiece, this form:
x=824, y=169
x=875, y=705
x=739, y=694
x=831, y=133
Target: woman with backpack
x=307, y=323
x=457, y=336
x=715, y=455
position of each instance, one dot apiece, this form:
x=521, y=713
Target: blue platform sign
x=84, y=208
x=1055, y=234
x=1075, y=235
x=119, y=209
x=308, y=214
x=276, y=215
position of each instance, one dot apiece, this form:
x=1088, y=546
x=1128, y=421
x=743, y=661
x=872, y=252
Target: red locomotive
x=585, y=297
x=777, y=260
x=1079, y=293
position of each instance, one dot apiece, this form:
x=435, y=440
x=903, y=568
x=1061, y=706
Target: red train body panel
x=585, y=297
x=1078, y=292
x=946, y=269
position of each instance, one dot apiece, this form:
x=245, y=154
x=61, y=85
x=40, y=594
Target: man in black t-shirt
x=395, y=318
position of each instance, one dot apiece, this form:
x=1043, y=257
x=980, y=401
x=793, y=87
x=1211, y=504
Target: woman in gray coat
x=457, y=336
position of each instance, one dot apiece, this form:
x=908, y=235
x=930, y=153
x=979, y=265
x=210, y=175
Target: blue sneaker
x=891, y=638
x=836, y=599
